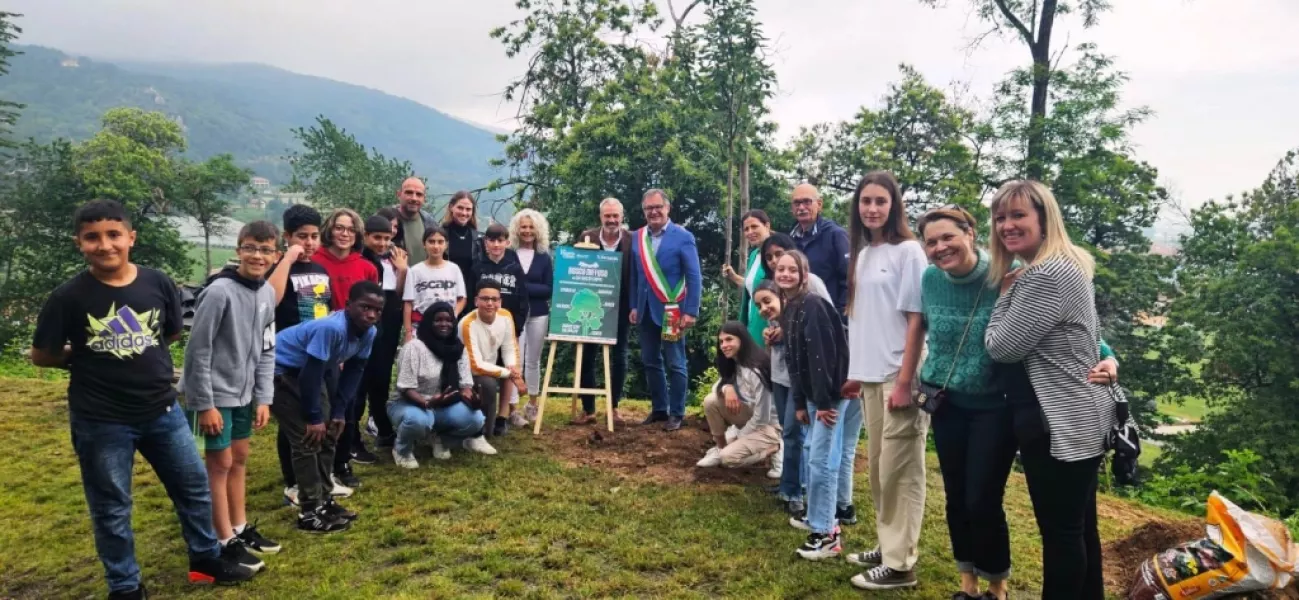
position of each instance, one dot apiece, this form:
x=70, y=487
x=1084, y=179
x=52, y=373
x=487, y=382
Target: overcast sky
x=1221, y=75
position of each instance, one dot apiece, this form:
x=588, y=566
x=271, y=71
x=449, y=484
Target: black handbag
x=930, y=398
x=1125, y=441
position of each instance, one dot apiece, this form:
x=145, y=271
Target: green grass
x=219, y=257
x=1192, y=409
x=520, y=524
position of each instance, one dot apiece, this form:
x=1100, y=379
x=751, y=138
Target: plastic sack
x=1243, y=553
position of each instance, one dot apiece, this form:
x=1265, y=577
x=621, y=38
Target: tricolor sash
x=658, y=282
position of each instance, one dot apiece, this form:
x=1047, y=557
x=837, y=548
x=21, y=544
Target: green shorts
x=237, y=424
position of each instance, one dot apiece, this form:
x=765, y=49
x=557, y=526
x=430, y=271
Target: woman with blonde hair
x=530, y=238
x=1045, y=318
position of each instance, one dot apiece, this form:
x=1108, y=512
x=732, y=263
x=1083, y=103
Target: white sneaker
x=712, y=458
x=478, y=444
x=439, y=451
x=800, y=523
x=777, y=464
x=732, y=433
x=340, y=490
x=405, y=462
x=371, y=428
x=518, y=420
x=530, y=412
x=291, y=495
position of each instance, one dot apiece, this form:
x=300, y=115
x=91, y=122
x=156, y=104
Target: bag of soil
x=1243, y=553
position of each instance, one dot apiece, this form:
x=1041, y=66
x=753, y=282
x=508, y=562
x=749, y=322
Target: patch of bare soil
x=1124, y=556
x=645, y=452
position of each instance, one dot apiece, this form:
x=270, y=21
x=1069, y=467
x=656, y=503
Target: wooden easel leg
x=545, y=389
x=608, y=390
x=577, y=378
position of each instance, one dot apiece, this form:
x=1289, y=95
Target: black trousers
x=976, y=449
x=593, y=363
x=377, y=380
x=312, y=465
x=284, y=448
x=1064, y=502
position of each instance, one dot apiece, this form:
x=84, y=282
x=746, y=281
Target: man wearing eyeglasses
x=823, y=241
x=489, y=336
x=412, y=219
x=665, y=291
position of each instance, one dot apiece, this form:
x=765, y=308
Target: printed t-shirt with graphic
x=329, y=339
x=426, y=284
x=306, y=296
x=120, y=368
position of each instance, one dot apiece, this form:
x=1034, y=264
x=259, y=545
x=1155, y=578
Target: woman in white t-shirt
x=885, y=340
x=434, y=280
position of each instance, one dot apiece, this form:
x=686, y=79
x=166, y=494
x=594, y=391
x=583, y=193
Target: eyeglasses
x=803, y=201
x=649, y=208
x=343, y=229
x=262, y=250
x=489, y=299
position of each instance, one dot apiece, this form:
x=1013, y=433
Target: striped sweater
x=486, y=342
x=1047, y=320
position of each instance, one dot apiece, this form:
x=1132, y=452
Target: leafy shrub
x=1240, y=477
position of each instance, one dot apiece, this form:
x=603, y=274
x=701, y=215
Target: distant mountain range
x=247, y=110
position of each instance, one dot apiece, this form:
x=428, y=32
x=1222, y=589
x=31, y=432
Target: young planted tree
x=8, y=110
x=205, y=192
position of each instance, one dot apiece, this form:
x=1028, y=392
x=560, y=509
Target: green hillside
x=245, y=109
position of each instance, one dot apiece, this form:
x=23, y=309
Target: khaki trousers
x=897, y=474
x=748, y=449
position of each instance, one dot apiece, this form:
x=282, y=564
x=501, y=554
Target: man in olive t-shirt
x=412, y=220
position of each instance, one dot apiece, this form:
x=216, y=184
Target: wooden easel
x=576, y=389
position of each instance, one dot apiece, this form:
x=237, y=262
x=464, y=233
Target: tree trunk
x=207, y=252
x=730, y=217
x=744, y=208
x=1041, y=50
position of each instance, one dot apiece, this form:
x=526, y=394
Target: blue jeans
x=106, y=452
x=830, y=454
x=667, y=393
x=412, y=423
x=793, y=477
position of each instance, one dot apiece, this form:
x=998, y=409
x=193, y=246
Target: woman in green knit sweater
x=974, y=427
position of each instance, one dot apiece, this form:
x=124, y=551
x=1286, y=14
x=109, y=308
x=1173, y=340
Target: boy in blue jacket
x=227, y=383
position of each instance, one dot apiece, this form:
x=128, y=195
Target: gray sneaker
x=870, y=558
x=884, y=578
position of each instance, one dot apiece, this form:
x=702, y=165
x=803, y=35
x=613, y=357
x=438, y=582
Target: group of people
x=841, y=330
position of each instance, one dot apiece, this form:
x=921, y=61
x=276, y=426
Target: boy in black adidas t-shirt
x=301, y=294
x=109, y=327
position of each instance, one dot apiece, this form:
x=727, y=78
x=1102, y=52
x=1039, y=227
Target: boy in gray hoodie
x=228, y=381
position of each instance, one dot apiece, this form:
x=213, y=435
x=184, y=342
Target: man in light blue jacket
x=228, y=382
x=665, y=291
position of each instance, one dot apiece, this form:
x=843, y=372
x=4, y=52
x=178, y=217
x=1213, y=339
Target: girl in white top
x=742, y=398
x=885, y=340
x=434, y=280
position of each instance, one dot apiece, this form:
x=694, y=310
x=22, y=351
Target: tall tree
x=205, y=192
x=336, y=171
x=132, y=160
x=8, y=109
x=1033, y=22
x=936, y=148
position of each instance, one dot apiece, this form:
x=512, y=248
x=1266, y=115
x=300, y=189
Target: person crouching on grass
x=109, y=326
x=742, y=397
x=229, y=372
x=303, y=354
x=435, y=392
x=489, y=336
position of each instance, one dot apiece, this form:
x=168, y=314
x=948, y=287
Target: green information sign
x=584, y=305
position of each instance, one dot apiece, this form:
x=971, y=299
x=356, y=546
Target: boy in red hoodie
x=340, y=255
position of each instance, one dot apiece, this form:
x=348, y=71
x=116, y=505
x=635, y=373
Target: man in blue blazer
x=665, y=290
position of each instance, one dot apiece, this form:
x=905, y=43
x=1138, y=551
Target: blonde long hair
x=539, y=225
x=1055, y=237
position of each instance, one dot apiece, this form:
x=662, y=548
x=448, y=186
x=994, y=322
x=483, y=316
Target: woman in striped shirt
x=1046, y=319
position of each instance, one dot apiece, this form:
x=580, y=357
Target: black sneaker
x=673, y=424
x=257, y=543
x=385, y=441
x=502, y=427
x=317, y=521
x=846, y=515
x=363, y=456
x=345, y=476
x=138, y=593
x=821, y=546
x=884, y=578
x=869, y=558
x=796, y=509
x=218, y=571
x=234, y=550
x=336, y=512
x=655, y=417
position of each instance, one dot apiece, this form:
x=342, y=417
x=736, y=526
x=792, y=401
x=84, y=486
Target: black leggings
x=1064, y=502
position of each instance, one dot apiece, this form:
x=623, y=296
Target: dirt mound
x=1124, y=556
x=646, y=452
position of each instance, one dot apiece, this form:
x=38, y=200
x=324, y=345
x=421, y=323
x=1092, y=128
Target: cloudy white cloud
x=1220, y=74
